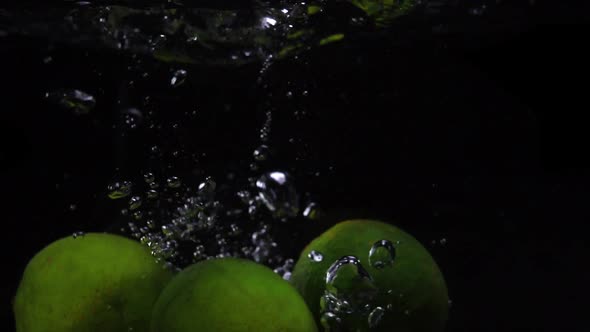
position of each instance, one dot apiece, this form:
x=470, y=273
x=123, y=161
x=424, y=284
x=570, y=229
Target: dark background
x=479, y=137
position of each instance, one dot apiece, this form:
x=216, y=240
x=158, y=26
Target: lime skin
x=413, y=285
x=230, y=295
x=96, y=282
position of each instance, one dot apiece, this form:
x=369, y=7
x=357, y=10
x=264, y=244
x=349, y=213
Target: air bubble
x=381, y=254
x=167, y=230
x=375, y=317
x=149, y=178
x=330, y=321
x=261, y=153
x=199, y=252
x=134, y=203
x=79, y=102
x=208, y=186
x=234, y=230
x=315, y=256
x=119, y=189
x=311, y=211
x=132, y=227
x=76, y=235
x=347, y=277
x=173, y=182
x=277, y=192
x=178, y=78
x=244, y=195
x=478, y=11
x=132, y=118
x=137, y=215
x=152, y=194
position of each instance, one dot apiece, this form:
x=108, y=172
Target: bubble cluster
x=172, y=206
x=131, y=118
x=351, y=297
x=181, y=222
x=285, y=270
x=78, y=234
x=277, y=192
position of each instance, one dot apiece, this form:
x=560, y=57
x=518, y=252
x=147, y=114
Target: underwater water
x=245, y=129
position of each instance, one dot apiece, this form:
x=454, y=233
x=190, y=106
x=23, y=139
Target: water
x=220, y=132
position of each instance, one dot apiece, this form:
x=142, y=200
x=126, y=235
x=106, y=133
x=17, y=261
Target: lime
x=384, y=12
x=96, y=282
x=230, y=295
x=365, y=274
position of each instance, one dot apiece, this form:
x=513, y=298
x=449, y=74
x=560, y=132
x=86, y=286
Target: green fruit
x=95, y=282
x=402, y=280
x=384, y=12
x=230, y=295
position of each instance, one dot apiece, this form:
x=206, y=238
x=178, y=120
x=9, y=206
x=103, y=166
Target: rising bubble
x=381, y=254
x=311, y=211
x=315, y=256
x=119, y=189
x=261, y=153
x=173, y=182
x=375, y=317
x=278, y=193
x=178, y=78
x=134, y=202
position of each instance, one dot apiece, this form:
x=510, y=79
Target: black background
x=481, y=141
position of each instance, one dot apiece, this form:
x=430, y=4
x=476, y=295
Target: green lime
x=230, y=295
x=365, y=274
x=384, y=12
x=91, y=283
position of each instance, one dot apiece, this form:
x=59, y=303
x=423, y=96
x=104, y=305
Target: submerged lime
x=91, y=283
x=230, y=295
x=371, y=275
